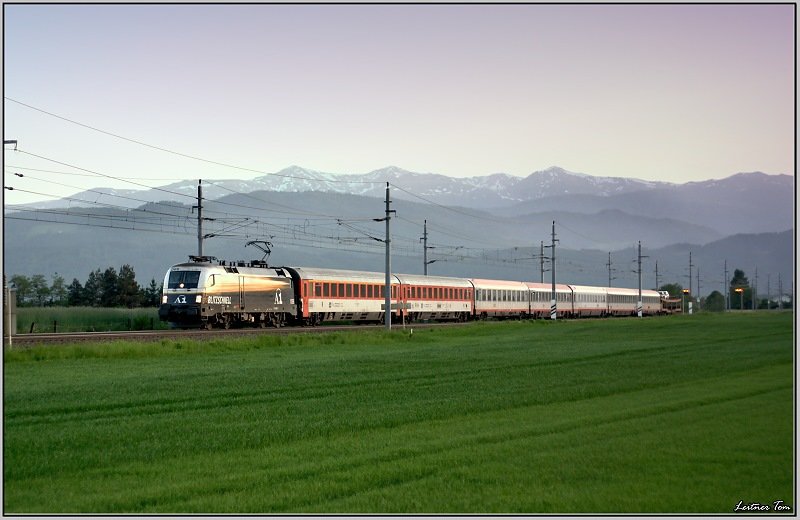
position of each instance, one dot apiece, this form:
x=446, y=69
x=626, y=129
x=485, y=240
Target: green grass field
x=661, y=415
x=87, y=319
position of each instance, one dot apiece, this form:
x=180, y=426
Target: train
x=209, y=293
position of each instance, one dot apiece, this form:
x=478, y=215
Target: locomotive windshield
x=183, y=279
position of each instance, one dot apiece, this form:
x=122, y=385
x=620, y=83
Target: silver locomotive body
x=206, y=294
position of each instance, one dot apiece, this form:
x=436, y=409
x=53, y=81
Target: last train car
x=203, y=293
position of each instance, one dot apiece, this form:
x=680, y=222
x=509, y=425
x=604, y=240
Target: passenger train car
x=204, y=293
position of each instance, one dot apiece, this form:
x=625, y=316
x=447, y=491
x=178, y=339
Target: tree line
x=715, y=301
x=103, y=288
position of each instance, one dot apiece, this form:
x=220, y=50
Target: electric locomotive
x=205, y=294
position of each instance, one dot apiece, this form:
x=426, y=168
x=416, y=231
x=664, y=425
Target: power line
x=13, y=167
x=173, y=152
x=103, y=174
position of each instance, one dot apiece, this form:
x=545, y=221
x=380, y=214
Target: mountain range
x=598, y=214
x=745, y=202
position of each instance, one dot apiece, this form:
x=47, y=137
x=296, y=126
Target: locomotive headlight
x=164, y=299
x=198, y=298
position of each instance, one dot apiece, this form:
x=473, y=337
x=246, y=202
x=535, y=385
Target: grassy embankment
x=666, y=415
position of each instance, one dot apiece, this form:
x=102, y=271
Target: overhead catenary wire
x=169, y=151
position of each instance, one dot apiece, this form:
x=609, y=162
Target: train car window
x=341, y=290
x=326, y=289
x=348, y=290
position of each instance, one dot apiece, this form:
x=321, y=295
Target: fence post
x=55, y=326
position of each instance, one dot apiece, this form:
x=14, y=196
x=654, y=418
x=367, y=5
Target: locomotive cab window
x=183, y=280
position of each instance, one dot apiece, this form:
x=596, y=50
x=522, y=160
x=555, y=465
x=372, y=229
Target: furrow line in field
x=426, y=377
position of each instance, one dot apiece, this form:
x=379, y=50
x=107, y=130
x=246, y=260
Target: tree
x=128, y=291
x=740, y=300
x=151, y=295
x=92, y=289
x=109, y=288
x=75, y=294
x=58, y=290
x=675, y=289
x=40, y=290
x=23, y=285
x=715, y=302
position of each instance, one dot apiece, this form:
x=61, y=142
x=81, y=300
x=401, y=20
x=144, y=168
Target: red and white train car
x=337, y=294
x=435, y=297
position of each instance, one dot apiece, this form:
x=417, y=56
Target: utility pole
x=639, y=304
x=199, y=217
x=698, y=284
x=553, y=307
x=726, y=288
x=541, y=261
x=609, y=268
x=388, y=288
x=690, y=275
x=769, y=290
x=425, y=248
x=780, y=292
x=424, y=245
x=657, y=286
x=754, y=291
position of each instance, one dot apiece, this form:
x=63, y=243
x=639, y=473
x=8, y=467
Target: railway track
x=30, y=340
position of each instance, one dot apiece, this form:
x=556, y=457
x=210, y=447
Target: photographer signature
x=777, y=505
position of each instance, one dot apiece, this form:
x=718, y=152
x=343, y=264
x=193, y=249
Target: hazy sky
x=669, y=92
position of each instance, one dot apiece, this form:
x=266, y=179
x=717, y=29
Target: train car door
x=241, y=293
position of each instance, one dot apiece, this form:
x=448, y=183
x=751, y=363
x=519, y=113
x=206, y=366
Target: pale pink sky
x=668, y=92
